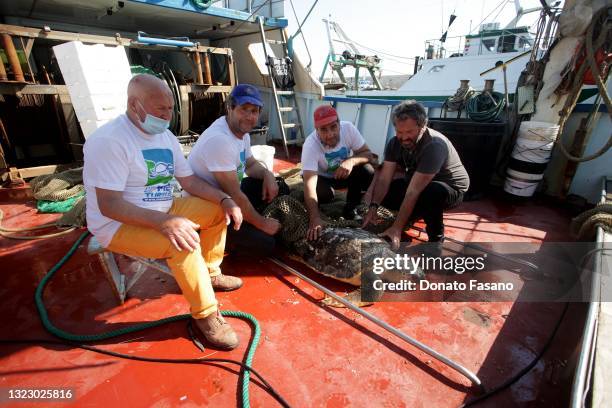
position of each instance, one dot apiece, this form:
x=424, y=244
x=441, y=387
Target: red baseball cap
x=324, y=115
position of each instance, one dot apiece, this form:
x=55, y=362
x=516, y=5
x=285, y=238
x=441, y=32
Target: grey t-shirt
x=433, y=154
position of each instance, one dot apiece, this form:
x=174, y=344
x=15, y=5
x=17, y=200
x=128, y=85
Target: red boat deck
x=313, y=355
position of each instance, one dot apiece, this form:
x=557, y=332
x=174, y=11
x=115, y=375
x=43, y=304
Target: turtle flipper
x=353, y=297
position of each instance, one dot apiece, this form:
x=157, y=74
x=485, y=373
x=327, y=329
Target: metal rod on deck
x=424, y=348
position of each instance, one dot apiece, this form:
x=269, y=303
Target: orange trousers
x=192, y=270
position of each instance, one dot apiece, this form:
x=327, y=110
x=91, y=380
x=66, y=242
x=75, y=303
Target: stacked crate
x=96, y=77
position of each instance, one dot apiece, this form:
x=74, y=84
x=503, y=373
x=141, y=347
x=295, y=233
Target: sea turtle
x=342, y=253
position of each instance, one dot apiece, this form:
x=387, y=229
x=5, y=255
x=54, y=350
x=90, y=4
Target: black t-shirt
x=433, y=154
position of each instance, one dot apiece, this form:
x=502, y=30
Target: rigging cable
x=503, y=4
x=600, y=17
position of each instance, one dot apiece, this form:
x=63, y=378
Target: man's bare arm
x=380, y=188
x=201, y=188
x=256, y=169
x=311, y=202
x=360, y=156
x=385, y=176
x=362, y=153
x=229, y=184
x=417, y=184
x=179, y=230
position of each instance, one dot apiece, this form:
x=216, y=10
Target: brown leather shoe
x=225, y=283
x=217, y=331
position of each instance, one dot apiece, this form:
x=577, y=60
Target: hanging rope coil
x=485, y=106
x=602, y=22
x=457, y=102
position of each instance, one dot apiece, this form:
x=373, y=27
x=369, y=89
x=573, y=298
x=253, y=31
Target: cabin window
x=489, y=44
x=436, y=68
x=524, y=43
x=506, y=43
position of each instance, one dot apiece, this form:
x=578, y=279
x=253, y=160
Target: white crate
x=96, y=77
x=89, y=126
x=99, y=107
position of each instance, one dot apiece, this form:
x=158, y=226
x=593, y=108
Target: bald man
x=130, y=167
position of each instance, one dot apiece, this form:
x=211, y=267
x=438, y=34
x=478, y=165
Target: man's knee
x=395, y=194
x=175, y=257
x=436, y=195
x=325, y=192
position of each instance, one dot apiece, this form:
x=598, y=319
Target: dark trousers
x=248, y=239
x=357, y=183
x=433, y=200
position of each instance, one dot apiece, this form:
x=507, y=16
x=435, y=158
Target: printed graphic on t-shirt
x=335, y=159
x=241, y=166
x=160, y=171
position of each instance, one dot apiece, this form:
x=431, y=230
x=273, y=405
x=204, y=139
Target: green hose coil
x=44, y=317
x=485, y=106
x=202, y=4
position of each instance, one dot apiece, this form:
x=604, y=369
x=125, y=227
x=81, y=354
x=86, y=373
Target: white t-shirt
x=218, y=149
x=120, y=157
x=324, y=160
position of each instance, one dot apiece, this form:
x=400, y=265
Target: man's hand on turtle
x=371, y=217
x=394, y=234
x=314, y=229
x=271, y=226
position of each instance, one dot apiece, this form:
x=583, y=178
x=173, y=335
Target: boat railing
x=272, y=8
x=453, y=46
x=488, y=42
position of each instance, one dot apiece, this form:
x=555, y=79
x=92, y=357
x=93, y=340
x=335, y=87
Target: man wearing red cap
x=335, y=155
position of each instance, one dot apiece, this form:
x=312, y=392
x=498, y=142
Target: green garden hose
x=246, y=375
x=485, y=106
x=202, y=4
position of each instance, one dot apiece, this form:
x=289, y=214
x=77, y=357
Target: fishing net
x=59, y=186
x=63, y=192
x=290, y=211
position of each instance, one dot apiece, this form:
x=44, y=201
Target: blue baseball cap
x=245, y=93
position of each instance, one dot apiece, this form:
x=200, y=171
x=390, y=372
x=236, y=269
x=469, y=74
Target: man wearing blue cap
x=222, y=156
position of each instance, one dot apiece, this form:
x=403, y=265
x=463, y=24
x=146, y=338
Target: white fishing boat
x=55, y=89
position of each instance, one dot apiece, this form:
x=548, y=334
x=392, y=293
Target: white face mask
x=152, y=124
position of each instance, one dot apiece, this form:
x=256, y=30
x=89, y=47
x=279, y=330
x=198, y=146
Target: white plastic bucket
x=265, y=155
x=542, y=131
x=529, y=157
x=532, y=151
x=524, y=176
x=520, y=188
